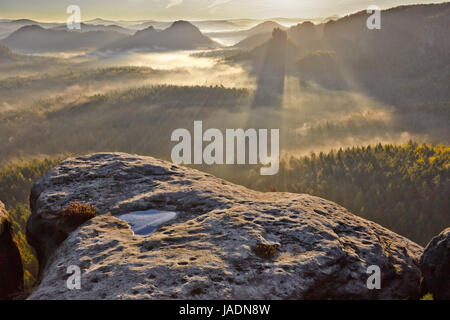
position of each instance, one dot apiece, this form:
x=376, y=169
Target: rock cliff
x=435, y=266
x=11, y=270
x=226, y=242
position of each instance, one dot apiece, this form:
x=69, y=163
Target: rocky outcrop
x=435, y=266
x=226, y=242
x=11, y=270
x=52, y=232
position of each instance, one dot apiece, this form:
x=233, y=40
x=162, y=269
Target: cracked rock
x=227, y=242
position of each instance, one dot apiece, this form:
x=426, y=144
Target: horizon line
x=331, y=16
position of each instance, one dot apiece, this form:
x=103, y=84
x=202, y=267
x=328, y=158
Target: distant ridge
x=181, y=35
x=253, y=41
x=264, y=27
x=84, y=27
x=34, y=38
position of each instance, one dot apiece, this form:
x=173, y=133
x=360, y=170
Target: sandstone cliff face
x=227, y=242
x=11, y=270
x=435, y=266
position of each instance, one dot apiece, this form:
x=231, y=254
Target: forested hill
x=16, y=180
x=404, y=188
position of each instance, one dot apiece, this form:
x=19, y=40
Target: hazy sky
x=55, y=10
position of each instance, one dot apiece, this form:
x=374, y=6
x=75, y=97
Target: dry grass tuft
x=79, y=212
x=265, y=251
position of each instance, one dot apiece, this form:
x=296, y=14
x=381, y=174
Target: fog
x=310, y=117
x=120, y=99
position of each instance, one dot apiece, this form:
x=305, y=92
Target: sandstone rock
x=435, y=266
x=227, y=242
x=54, y=231
x=11, y=269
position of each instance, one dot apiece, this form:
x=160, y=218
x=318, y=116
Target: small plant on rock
x=79, y=213
x=265, y=251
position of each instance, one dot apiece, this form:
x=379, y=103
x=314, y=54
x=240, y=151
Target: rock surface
x=435, y=266
x=11, y=269
x=227, y=242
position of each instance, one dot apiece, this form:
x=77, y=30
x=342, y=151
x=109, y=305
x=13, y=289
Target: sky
x=55, y=10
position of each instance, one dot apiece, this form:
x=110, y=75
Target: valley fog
x=311, y=118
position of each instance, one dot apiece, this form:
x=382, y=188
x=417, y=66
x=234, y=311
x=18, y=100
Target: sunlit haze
x=47, y=10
